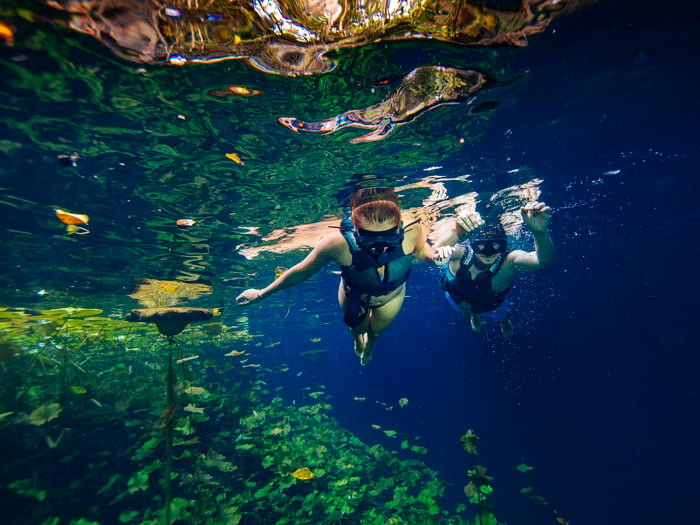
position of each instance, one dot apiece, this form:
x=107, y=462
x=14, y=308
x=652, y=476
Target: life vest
x=477, y=292
x=371, y=251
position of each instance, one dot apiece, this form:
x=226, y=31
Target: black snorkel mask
x=380, y=241
x=489, y=247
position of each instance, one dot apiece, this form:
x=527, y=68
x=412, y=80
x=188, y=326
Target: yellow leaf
x=235, y=158
x=71, y=218
x=303, y=473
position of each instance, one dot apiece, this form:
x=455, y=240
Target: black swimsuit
x=362, y=280
x=477, y=292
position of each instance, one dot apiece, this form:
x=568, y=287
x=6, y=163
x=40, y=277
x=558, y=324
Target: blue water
x=598, y=389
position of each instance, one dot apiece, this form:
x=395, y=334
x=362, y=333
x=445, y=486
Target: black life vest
x=370, y=252
x=477, y=292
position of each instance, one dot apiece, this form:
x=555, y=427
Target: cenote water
x=171, y=155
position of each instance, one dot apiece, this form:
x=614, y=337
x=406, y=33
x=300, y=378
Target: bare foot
x=360, y=343
x=507, y=329
x=475, y=321
x=366, y=355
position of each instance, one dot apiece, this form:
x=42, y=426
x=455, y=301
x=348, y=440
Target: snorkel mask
x=489, y=247
x=374, y=242
x=489, y=240
x=377, y=242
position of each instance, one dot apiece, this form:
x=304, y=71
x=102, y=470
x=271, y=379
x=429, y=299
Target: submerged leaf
x=524, y=468
x=71, y=218
x=303, y=473
x=469, y=441
x=190, y=407
x=44, y=414
x=234, y=157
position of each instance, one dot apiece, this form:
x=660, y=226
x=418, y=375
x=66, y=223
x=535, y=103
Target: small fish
x=612, y=172
x=432, y=168
x=234, y=353
x=359, y=399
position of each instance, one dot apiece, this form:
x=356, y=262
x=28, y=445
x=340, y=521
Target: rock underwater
x=291, y=37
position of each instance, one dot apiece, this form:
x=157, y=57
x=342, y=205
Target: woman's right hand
x=249, y=296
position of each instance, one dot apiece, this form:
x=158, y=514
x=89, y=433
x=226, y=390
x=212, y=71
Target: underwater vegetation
x=110, y=422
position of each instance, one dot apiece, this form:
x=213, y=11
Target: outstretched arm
x=322, y=254
x=536, y=217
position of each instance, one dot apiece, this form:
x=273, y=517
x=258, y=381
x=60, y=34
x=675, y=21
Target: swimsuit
x=362, y=280
x=477, y=292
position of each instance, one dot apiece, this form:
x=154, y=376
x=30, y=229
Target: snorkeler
x=375, y=253
x=477, y=281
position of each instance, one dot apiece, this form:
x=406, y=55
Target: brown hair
x=376, y=205
x=377, y=212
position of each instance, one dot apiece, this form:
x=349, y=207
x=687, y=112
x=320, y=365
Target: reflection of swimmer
x=477, y=281
x=375, y=253
x=290, y=37
x=422, y=89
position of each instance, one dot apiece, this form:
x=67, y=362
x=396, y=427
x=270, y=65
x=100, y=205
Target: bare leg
x=380, y=318
x=359, y=333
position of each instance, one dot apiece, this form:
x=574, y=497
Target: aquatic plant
x=221, y=449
